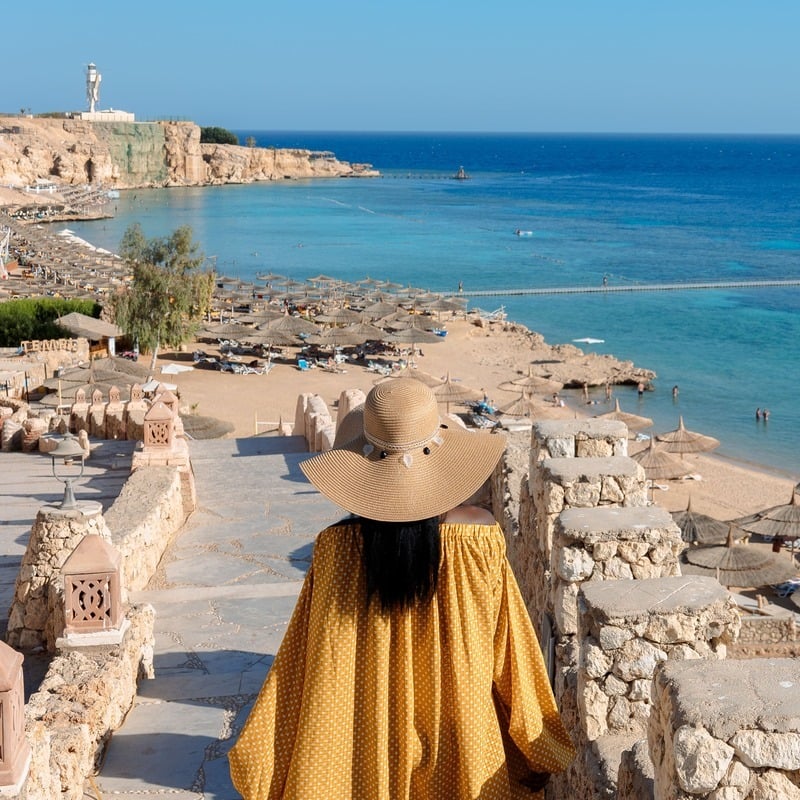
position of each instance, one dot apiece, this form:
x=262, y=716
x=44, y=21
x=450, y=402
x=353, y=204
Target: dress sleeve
x=259, y=767
x=533, y=733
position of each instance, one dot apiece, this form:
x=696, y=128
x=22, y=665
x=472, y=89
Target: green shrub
x=214, y=135
x=33, y=318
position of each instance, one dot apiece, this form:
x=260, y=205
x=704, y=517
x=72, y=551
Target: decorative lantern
x=159, y=426
x=14, y=748
x=92, y=591
x=64, y=455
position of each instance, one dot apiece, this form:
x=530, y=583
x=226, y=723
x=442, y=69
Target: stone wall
x=726, y=730
x=143, y=520
x=83, y=699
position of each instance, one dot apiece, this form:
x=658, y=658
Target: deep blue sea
x=637, y=209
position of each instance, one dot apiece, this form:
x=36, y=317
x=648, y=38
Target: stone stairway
x=223, y=596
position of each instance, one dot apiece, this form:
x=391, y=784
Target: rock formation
x=126, y=155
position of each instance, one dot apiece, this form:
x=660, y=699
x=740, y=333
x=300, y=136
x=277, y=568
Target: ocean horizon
x=628, y=209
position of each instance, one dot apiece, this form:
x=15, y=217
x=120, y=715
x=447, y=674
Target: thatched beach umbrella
x=737, y=565
x=339, y=316
x=702, y=529
x=658, y=464
x=683, y=441
x=409, y=372
x=635, y=422
x=526, y=406
x=777, y=521
x=291, y=325
x=450, y=392
x=532, y=383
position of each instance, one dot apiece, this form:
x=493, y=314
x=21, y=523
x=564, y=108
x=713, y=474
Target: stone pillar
x=558, y=484
x=79, y=413
x=97, y=416
x=115, y=416
x=36, y=616
x=626, y=629
x=317, y=417
x=135, y=409
x=726, y=730
x=15, y=752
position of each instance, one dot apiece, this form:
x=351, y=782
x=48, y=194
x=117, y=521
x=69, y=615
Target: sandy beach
x=480, y=358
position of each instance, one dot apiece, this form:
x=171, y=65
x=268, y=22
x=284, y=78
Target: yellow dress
x=449, y=699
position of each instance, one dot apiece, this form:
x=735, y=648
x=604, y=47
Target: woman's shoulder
x=469, y=515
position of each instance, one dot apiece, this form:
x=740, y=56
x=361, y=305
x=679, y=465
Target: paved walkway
x=228, y=586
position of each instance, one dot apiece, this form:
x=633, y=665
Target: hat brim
x=361, y=481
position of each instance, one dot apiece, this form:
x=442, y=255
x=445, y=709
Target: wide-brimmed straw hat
x=406, y=464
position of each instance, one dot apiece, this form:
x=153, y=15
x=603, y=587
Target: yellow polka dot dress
x=449, y=699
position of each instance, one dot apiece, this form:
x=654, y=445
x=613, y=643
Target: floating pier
x=632, y=287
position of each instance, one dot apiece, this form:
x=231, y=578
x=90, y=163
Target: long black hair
x=401, y=560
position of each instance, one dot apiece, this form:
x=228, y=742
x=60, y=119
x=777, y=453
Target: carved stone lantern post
x=92, y=589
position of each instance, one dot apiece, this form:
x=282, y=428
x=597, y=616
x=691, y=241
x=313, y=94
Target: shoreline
x=481, y=358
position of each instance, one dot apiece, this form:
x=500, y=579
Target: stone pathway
x=223, y=597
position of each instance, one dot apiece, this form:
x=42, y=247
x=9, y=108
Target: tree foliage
x=216, y=135
x=169, y=293
x=24, y=319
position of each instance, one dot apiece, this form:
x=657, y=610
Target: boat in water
x=520, y=232
x=461, y=175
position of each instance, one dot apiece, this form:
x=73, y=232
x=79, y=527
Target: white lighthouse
x=93, y=78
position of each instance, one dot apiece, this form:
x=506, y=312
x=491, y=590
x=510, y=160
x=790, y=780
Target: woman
x=410, y=668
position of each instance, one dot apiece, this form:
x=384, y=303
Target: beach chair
x=303, y=365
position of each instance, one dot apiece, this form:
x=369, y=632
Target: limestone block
x=772, y=785
x=565, y=608
x=672, y=628
x=617, y=569
x=582, y=494
x=637, y=659
x=596, y=663
x=619, y=713
x=640, y=689
x=727, y=793
x=766, y=749
x=613, y=686
x=611, y=491
x=612, y=637
x=593, y=703
x=553, y=498
x=561, y=447
x=701, y=761
x=632, y=552
x=574, y=564
x=603, y=551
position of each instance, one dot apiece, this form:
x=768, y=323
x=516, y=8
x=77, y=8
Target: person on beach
x=640, y=389
x=758, y=413
x=675, y=392
x=410, y=667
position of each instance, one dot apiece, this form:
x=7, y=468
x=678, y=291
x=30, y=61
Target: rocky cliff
x=126, y=155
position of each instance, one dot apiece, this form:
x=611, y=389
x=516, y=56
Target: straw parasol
x=526, y=406
x=291, y=325
x=532, y=383
x=658, y=464
x=683, y=441
x=737, y=564
x=635, y=422
x=449, y=392
x=702, y=529
x=339, y=316
x=412, y=336
x=777, y=521
x=409, y=372
x=233, y=330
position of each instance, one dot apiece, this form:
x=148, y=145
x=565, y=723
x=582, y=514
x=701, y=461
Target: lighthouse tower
x=93, y=78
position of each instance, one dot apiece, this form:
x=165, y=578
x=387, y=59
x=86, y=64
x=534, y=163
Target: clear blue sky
x=728, y=66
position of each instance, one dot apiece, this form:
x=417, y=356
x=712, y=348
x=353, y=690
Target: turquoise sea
x=637, y=209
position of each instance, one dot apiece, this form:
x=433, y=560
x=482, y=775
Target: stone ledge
x=615, y=523
x=727, y=696
x=569, y=470
x=631, y=601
